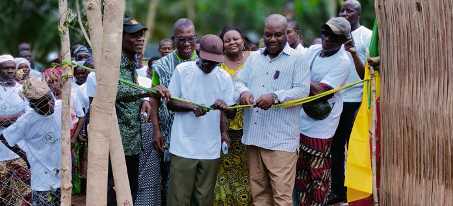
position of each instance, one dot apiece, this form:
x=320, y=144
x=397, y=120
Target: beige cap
x=35, y=88
x=339, y=26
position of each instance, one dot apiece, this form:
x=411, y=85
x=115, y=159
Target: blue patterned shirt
x=288, y=76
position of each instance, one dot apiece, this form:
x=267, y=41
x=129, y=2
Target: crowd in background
x=181, y=154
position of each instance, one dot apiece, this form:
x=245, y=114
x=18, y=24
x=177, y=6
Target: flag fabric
x=359, y=177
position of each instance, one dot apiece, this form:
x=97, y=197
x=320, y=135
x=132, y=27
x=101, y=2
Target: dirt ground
x=79, y=200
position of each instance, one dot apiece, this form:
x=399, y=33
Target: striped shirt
x=287, y=76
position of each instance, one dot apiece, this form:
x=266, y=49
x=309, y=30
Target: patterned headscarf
x=81, y=50
x=20, y=60
x=35, y=88
x=57, y=71
x=88, y=60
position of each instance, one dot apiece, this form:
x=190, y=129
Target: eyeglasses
x=183, y=40
x=332, y=36
x=207, y=63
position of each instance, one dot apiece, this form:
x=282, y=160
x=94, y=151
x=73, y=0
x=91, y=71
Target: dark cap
x=211, y=48
x=130, y=25
x=339, y=26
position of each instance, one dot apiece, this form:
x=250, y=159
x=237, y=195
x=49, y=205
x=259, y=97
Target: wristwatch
x=275, y=99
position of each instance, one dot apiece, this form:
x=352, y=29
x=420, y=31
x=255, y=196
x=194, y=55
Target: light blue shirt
x=288, y=76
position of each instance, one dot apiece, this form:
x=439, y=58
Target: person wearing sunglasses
x=197, y=134
x=184, y=38
x=329, y=69
x=352, y=97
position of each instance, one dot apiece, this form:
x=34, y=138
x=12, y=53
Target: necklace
x=236, y=62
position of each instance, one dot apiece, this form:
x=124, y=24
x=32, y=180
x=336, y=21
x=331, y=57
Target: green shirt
x=128, y=105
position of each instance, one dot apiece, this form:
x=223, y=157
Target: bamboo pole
x=98, y=129
x=373, y=137
x=66, y=185
x=119, y=169
x=150, y=20
x=79, y=19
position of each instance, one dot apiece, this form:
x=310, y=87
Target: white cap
x=6, y=57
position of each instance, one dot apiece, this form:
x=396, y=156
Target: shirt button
x=270, y=61
x=263, y=85
x=267, y=73
x=256, y=110
x=255, y=122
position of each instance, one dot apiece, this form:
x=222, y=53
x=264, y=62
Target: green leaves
x=67, y=21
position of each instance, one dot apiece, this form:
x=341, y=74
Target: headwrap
x=35, y=88
x=20, y=60
x=81, y=50
x=6, y=57
x=88, y=60
x=57, y=71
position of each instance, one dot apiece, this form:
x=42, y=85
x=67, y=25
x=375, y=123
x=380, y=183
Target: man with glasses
x=184, y=38
x=271, y=76
x=196, y=135
x=351, y=11
x=329, y=69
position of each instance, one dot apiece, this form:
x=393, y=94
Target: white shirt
x=42, y=135
x=83, y=97
x=91, y=84
x=10, y=103
x=144, y=82
x=142, y=71
x=332, y=71
x=287, y=76
x=198, y=137
x=362, y=39
x=301, y=49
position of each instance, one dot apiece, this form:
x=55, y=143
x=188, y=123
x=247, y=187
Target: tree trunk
x=119, y=169
x=150, y=20
x=66, y=185
x=79, y=19
x=98, y=128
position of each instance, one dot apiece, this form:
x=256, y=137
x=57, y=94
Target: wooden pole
x=119, y=169
x=373, y=137
x=79, y=19
x=100, y=113
x=113, y=33
x=66, y=185
x=150, y=20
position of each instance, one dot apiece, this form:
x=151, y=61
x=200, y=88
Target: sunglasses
x=332, y=36
x=183, y=40
x=207, y=63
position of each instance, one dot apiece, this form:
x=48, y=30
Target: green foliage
x=211, y=15
x=36, y=21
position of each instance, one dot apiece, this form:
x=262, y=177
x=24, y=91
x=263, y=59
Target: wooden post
x=79, y=19
x=66, y=185
x=100, y=115
x=119, y=169
x=373, y=137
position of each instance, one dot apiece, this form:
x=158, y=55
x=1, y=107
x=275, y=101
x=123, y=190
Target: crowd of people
x=181, y=154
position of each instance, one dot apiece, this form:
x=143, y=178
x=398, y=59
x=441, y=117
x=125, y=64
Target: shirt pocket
x=281, y=80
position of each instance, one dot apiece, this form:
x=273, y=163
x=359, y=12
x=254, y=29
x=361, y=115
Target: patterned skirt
x=313, y=171
x=149, y=191
x=232, y=185
x=15, y=183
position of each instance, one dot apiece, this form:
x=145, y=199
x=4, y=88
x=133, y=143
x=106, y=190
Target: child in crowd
x=53, y=76
x=40, y=130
